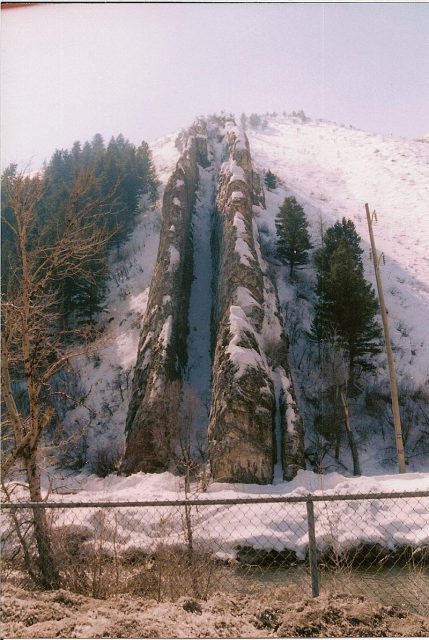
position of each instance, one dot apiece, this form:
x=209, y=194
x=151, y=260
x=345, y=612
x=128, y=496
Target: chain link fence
x=376, y=545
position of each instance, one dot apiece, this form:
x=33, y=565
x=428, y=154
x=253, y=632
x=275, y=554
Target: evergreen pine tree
x=346, y=305
x=76, y=153
x=8, y=244
x=293, y=240
x=121, y=174
x=97, y=144
x=340, y=230
x=146, y=171
x=270, y=180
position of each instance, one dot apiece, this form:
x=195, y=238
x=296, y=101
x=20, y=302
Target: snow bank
x=226, y=528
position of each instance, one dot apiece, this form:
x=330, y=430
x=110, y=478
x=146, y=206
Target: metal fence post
x=312, y=549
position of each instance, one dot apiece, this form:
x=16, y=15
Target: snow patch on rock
x=241, y=356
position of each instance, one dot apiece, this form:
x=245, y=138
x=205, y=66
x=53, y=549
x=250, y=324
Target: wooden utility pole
x=390, y=362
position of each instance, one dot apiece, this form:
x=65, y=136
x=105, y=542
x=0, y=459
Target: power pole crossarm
x=390, y=361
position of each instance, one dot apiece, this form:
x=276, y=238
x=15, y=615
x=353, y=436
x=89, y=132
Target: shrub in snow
x=73, y=453
x=300, y=114
x=105, y=460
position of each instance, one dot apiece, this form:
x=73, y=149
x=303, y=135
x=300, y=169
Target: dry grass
x=273, y=613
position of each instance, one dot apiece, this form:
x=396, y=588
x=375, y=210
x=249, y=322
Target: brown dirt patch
x=62, y=614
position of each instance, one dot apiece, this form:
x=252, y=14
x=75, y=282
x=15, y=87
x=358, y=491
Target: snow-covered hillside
x=332, y=171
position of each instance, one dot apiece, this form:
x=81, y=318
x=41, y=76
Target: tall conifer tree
x=293, y=240
x=347, y=305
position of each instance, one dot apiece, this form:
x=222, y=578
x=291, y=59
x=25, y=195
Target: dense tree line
x=36, y=347
x=120, y=174
x=58, y=228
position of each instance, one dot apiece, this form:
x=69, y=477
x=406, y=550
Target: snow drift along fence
x=376, y=545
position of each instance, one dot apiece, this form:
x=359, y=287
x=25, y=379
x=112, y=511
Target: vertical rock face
x=162, y=348
x=253, y=418
x=241, y=446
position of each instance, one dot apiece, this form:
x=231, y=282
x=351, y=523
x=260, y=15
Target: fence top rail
x=208, y=502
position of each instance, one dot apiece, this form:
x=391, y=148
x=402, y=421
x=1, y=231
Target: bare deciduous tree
x=35, y=345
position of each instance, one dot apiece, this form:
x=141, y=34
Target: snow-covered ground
x=106, y=376
x=166, y=486
x=223, y=529
x=279, y=612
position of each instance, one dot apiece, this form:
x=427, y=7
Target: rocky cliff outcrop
x=253, y=417
x=162, y=348
x=242, y=417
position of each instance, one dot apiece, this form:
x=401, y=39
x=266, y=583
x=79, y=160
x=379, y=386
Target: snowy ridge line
x=221, y=501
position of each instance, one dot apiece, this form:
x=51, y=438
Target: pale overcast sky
x=69, y=71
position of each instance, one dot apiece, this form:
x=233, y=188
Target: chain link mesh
x=367, y=545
